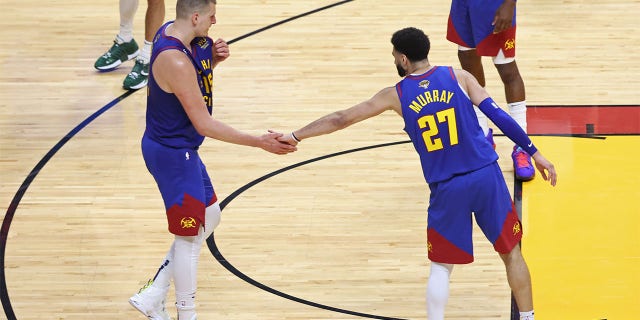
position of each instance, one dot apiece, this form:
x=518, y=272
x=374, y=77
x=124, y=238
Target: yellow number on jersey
x=431, y=141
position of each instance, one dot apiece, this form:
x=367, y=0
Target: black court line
x=211, y=243
x=8, y=217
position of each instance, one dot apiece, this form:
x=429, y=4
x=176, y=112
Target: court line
x=220, y=258
x=8, y=217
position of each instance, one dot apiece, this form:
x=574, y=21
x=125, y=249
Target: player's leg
x=188, y=248
x=150, y=299
x=438, y=290
x=124, y=46
x=162, y=161
x=519, y=281
x=472, y=62
x=497, y=218
x=514, y=90
x=449, y=227
x=460, y=30
x=138, y=77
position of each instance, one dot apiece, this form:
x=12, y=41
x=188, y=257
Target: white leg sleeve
x=438, y=290
x=162, y=279
x=186, y=256
x=127, y=12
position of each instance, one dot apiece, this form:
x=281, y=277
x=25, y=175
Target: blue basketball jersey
x=440, y=120
x=167, y=122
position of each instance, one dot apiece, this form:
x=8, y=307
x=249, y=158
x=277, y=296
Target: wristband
x=295, y=138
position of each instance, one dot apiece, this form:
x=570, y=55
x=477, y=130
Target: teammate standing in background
x=488, y=29
x=178, y=118
x=125, y=48
x=458, y=162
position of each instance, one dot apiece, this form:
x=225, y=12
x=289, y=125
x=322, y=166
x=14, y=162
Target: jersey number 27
x=430, y=123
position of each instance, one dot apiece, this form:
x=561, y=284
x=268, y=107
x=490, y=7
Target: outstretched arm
x=385, y=99
x=174, y=73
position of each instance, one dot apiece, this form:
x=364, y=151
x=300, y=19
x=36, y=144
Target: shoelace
x=117, y=50
x=522, y=159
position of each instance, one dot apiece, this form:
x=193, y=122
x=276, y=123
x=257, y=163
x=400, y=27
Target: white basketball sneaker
x=150, y=302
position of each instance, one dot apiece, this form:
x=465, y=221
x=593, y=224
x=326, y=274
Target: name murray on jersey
x=430, y=96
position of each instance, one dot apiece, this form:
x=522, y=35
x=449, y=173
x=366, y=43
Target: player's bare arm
x=174, y=73
x=385, y=99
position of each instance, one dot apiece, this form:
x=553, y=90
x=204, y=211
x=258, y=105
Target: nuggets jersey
x=440, y=120
x=167, y=122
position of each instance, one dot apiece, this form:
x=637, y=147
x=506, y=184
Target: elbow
x=201, y=129
x=339, y=120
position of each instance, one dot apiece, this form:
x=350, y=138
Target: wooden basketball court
x=338, y=235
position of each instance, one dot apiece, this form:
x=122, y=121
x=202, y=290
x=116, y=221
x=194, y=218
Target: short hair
x=184, y=8
x=411, y=42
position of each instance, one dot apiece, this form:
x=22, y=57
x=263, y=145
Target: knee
x=509, y=72
x=514, y=255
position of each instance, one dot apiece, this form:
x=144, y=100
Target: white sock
x=483, y=121
x=526, y=315
x=145, y=53
x=518, y=111
x=127, y=12
x=438, y=290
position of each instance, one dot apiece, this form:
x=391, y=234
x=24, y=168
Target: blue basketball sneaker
x=522, y=165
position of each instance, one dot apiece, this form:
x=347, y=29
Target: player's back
x=440, y=120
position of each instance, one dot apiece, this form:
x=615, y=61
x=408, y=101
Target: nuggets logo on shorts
x=429, y=246
x=509, y=44
x=516, y=228
x=188, y=222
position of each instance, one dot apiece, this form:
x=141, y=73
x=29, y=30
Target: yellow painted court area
x=582, y=238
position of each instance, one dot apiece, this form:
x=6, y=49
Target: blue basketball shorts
x=449, y=221
x=184, y=184
x=469, y=25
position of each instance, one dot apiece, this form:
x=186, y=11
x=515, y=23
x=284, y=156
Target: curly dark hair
x=411, y=42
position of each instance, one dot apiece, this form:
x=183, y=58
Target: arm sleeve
x=508, y=126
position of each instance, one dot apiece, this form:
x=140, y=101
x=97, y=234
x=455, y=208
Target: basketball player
x=488, y=28
x=458, y=162
x=179, y=108
x=125, y=48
